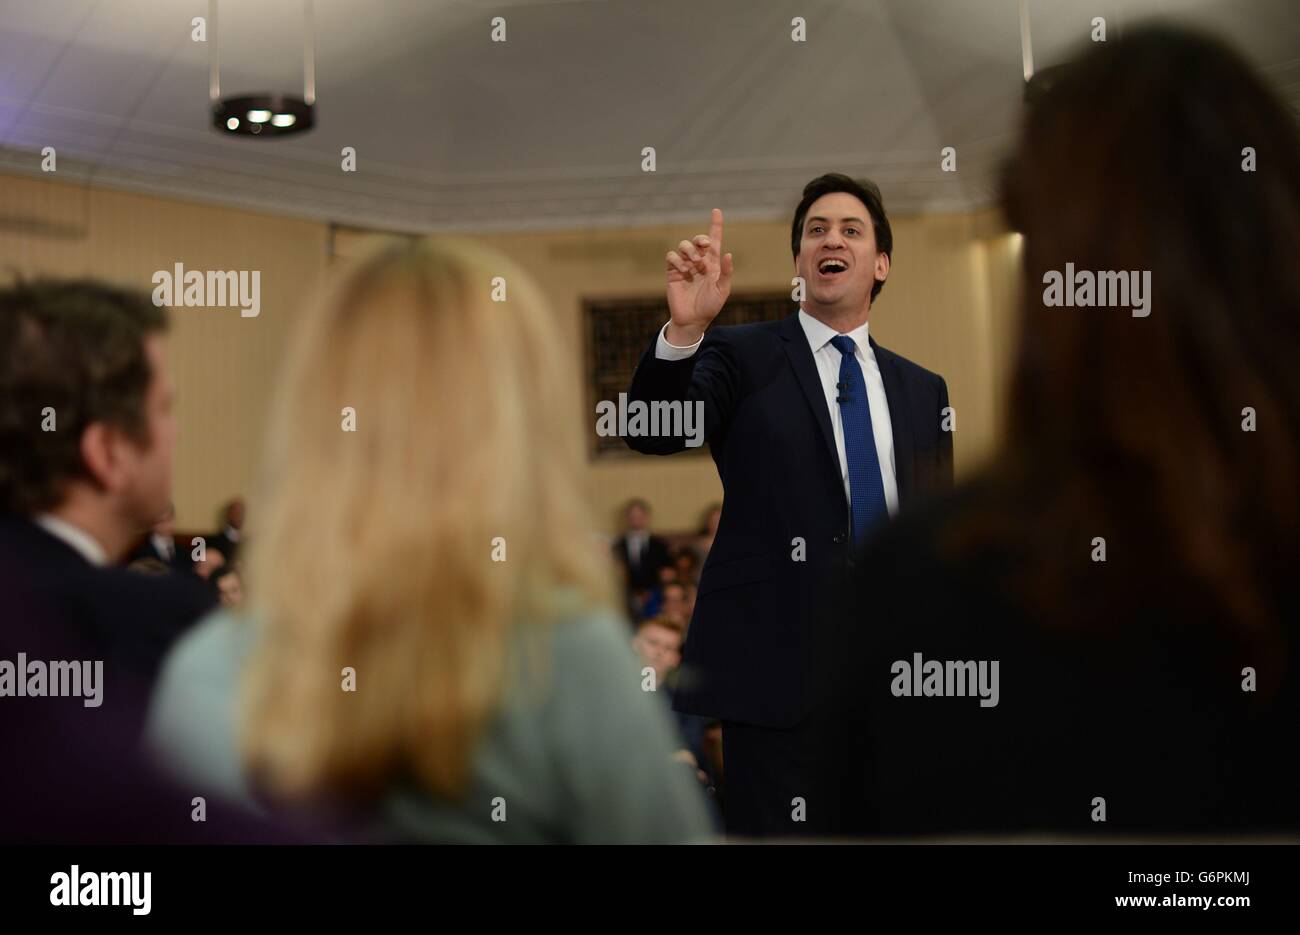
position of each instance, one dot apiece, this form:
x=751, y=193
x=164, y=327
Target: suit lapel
x=805, y=370
x=896, y=394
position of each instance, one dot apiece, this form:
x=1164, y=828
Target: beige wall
x=946, y=307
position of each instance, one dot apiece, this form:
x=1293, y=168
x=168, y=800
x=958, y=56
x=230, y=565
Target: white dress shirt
x=164, y=546
x=80, y=540
x=637, y=540
x=828, y=361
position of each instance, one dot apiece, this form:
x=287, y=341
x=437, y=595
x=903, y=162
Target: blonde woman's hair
x=379, y=549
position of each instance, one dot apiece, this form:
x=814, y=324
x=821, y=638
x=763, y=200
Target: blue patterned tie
x=866, y=489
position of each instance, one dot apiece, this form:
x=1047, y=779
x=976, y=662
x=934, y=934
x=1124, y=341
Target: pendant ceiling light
x=1026, y=44
x=1038, y=84
x=268, y=114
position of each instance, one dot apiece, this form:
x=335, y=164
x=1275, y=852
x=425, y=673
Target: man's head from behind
x=86, y=425
x=842, y=243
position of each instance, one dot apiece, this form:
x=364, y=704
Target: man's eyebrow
x=820, y=218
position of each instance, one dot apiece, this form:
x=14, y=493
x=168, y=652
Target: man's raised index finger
x=715, y=231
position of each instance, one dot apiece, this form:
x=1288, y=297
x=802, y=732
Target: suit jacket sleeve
x=710, y=376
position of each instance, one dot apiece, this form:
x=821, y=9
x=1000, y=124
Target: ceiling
x=456, y=132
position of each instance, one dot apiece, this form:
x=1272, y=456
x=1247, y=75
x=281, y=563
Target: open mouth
x=832, y=267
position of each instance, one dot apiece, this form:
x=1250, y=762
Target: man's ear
x=99, y=454
x=882, y=266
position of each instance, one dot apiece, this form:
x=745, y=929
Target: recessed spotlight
x=259, y=116
x=232, y=123
x=284, y=120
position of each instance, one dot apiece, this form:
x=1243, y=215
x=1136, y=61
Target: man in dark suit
x=127, y=620
x=640, y=553
x=160, y=545
x=86, y=437
x=819, y=436
x=86, y=431
x=229, y=538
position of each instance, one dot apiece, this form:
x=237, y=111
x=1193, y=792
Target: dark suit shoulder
x=24, y=545
x=744, y=335
x=186, y=596
x=910, y=370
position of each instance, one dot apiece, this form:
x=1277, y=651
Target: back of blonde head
x=375, y=548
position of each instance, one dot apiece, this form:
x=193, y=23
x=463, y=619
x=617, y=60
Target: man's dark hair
x=76, y=347
x=636, y=501
x=866, y=192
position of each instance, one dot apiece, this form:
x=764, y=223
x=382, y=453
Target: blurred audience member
x=213, y=561
x=708, y=529
x=161, y=544
x=674, y=603
x=669, y=602
x=658, y=642
x=687, y=566
x=148, y=566
x=394, y=665
x=1125, y=574
x=230, y=537
x=642, y=554
x=230, y=587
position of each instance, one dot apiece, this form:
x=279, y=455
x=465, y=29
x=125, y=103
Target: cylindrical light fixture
x=267, y=114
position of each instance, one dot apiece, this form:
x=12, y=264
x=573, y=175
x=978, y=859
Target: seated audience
x=668, y=602
x=431, y=646
x=658, y=643
x=1128, y=562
